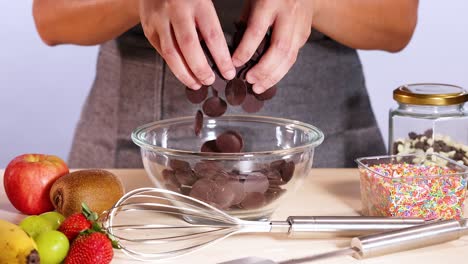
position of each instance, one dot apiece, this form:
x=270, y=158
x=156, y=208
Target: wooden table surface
x=324, y=192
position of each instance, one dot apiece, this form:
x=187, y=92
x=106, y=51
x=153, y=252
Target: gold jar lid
x=430, y=94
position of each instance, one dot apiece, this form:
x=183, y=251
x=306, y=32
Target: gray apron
x=134, y=86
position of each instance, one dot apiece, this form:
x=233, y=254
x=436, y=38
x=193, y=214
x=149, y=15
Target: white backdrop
x=43, y=88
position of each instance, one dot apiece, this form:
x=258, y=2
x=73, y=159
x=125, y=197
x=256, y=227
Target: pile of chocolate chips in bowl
x=210, y=181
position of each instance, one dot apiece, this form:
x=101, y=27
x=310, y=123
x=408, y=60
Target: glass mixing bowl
x=277, y=155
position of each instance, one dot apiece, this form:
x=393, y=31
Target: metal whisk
x=155, y=224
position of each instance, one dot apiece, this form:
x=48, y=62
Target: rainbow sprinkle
x=406, y=191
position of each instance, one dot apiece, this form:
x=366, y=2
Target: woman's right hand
x=171, y=27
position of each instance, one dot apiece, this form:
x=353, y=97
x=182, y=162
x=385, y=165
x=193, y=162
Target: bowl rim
x=177, y=152
x=463, y=174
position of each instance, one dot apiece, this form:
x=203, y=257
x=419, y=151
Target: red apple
x=28, y=179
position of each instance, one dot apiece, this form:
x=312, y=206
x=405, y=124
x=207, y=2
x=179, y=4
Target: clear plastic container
x=423, y=186
x=430, y=118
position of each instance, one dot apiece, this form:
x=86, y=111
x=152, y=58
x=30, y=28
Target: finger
x=277, y=74
x=257, y=26
x=210, y=29
x=164, y=42
x=301, y=34
x=280, y=48
x=187, y=39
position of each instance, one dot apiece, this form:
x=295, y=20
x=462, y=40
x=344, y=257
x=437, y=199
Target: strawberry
x=90, y=247
x=73, y=225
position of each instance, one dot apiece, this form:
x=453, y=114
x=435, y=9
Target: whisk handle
x=346, y=226
x=408, y=238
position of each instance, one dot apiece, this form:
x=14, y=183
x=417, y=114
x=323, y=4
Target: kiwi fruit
x=98, y=189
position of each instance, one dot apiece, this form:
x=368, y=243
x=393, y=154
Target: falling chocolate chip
x=229, y=142
x=242, y=72
x=209, y=146
x=251, y=104
x=196, y=96
x=261, y=49
x=198, y=122
x=235, y=91
x=219, y=82
x=214, y=107
x=268, y=94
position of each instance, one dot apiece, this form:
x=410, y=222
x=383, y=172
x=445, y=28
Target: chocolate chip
x=277, y=164
x=256, y=182
x=169, y=178
x=238, y=191
x=287, y=171
x=185, y=177
x=207, y=165
x=172, y=187
x=214, y=92
x=235, y=91
x=253, y=200
x=446, y=148
x=176, y=164
x=242, y=72
x=211, y=192
x=261, y=49
x=251, y=104
x=412, y=135
x=274, y=177
x=214, y=107
x=209, y=146
x=198, y=122
x=203, y=189
x=167, y=173
x=219, y=82
x=267, y=95
x=185, y=190
x=196, y=96
x=419, y=145
x=210, y=170
x=458, y=155
x=428, y=133
x=229, y=142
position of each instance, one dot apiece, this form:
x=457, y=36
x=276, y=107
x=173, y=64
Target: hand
x=291, y=21
x=171, y=27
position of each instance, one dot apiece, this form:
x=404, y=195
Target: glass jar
x=430, y=118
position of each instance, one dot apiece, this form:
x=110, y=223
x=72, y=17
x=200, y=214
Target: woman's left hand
x=291, y=22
